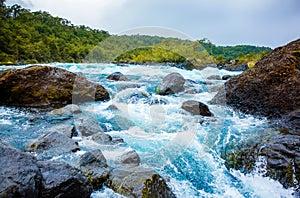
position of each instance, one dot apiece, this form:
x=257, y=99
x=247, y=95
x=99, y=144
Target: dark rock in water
x=226, y=77
x=171, y=84
x=196, y=108
x=117, y=76
x=220, y=97
x=271, y=88
x=234, y=67
x=86, y=125
x=130, y=158
x=19, y=173
x=52, y=144
x=191, y=87
x=45, y=86
x=62, y=180
x=214, y=77
x=138, y=182
x=67, y=110
x=95, y=167
x=118, y=140
x=102, y=138
x=281, y=152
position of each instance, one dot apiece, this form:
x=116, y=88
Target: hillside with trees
x=33, y=37
x=38, y=37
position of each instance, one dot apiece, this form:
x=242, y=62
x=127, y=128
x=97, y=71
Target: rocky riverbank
x=271, y=88
x=34, y=173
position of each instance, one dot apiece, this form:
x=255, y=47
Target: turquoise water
x=184, y=149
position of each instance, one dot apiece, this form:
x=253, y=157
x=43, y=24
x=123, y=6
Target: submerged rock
x=214, y=77
x=87, y=125
x=271, y=88
x=19, y=174
x=226, y=77
x=93, y=164
x=102, y=138
x=67, y=110
x=45, y=86
x=52, y=144
x=171, y=84
x=138, y=182
x=196, y=108
x=117, y=76
x=62, y=180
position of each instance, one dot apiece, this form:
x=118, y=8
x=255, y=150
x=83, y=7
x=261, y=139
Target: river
x=184, y=149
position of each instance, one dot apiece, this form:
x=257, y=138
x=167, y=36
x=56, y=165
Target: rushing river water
x=184, y=149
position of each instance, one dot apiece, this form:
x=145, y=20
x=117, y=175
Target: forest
x=38, y=37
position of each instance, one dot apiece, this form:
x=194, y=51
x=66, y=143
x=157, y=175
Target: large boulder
x=171, y=84
x=271, y=88
x=62, y=180
x=196, y=108
x=19, y=173
x=138, y=182
x=94, y=165
x=45, y=86
x=52, y=144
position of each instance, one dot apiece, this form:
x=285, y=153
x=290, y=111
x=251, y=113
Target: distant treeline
x=37, y=37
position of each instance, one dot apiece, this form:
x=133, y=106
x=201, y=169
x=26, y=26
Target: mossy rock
x=280, y=150
x=138, y=182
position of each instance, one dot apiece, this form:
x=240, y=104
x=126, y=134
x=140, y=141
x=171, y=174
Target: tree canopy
x=39, y=37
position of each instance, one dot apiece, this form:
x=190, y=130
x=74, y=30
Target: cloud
x=259, y=22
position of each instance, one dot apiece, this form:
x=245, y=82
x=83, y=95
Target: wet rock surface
x=67, y=110
x=130, y=158
x=138, y=182
x=171, y=84
x=94, y=165
x=45, y=86
x=86, y=125
x=271, y=88
x=23, y=176
x=196, y=108
x=19, y=173
x=52, y=144
x=62, y=180
x=117, y=76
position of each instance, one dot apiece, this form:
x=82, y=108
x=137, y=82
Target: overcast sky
x=224, y=22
